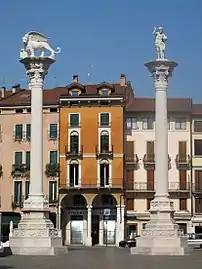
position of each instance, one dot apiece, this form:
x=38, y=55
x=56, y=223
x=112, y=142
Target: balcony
x=20, y=170
x=104, y=124
x=132, y=186
x=52, y=170
x=183, y=161
x=17, y=201
x=96, y=184
x=74, y=152
x=179, y=187
x=52, y=200
x=149, y=161
x=132, y=161
x=104, y=152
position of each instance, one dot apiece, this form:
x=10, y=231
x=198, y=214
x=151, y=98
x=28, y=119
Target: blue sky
x=113, y=36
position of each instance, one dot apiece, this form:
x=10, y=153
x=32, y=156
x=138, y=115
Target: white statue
x=160, y=39
x=35, y=41
x=11, y=228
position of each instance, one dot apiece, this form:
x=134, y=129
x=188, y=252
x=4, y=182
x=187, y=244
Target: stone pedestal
x=161, y=235
x=35, y=234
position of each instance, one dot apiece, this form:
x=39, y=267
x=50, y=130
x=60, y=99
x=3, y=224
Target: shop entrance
x=95, y=229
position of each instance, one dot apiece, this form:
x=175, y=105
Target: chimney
x=123, y=80
x=3, y=92
x=15, y=88
x=75, y=78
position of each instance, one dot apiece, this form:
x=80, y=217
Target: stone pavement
x=102, y=258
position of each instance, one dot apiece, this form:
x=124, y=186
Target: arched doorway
x=74, y=219
x=103, y=225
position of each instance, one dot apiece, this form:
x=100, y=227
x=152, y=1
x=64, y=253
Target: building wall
x=8, y=119
x=89, y=139
x=140, y=137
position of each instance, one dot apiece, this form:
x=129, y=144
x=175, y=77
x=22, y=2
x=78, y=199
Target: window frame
x=130, y=123
x=19, y=137
x=146, y=122
x=105, y=180
x=104, y=124
x=55, y=132
x=70, y=123
x=50, y=152
x=74, y=178
x=197, y=155
x=52, y=192
x=28, y=131
x=195, y=131
x=182, y=122
x=18, y=165
x=17, y=197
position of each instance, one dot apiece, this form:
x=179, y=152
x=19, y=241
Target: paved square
x=99, y=258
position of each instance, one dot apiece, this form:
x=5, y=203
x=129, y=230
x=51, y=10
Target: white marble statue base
x=161, y=235
x=36, y=235
x=89, y=241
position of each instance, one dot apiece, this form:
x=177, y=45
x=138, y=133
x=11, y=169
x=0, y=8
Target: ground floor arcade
x=84, y=220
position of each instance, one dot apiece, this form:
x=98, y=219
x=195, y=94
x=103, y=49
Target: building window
x=53, y=157
x=180, y=124
x=198, y=147
x=74, y=120
x=104, y=142
x=104, y=120
x=131, y=123
x=147, y=123
x=74, y=174
x=18, y=131
x=18, y=160
x=104, y=174
x=198, y=205
x=198, y=126
x=53, y=134
x=130, y=204
x=52, y=191
x=105, y=92
x=183, y=203
x=28, y=132
x=28, y=160
x=27, y=185
x=75, y=93
x=74, y=142
x=17, y=192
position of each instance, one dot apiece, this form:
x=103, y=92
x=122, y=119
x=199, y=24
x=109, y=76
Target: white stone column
x=37, y=68
x=89, y=228
x=160, y=236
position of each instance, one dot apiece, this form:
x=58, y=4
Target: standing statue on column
x=160, y=39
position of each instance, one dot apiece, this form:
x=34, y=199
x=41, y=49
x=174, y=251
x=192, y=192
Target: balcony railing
x=89, y=183
x=104, y=124
x=150, y=186
x=196, y=188
x=73, y=152
x=20, y=170
x=104, y=152
x=183, y=161
x=52, y=200
x=149, y=161
x=132, y=160
x=17, y=201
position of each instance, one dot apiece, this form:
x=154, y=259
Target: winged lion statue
x=36, y=41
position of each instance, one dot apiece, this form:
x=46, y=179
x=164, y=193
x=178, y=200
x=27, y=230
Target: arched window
x=74, y=142
x=104, y=173
x=73, y=174
x=104, y=142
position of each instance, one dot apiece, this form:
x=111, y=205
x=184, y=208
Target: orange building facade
x=92, y=163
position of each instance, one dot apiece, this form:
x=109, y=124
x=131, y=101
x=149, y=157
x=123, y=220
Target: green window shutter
x=53, y=131
x=28, y=131
x=28, y=160
x=104, y=142
x=18, y=131
x=18, y=192
x=74, y=119
x=53, y=157
x=27, y=185
x=18, y=159
x=104, y=119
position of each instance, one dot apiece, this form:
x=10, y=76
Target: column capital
x=160, y=71
x=89, y=207
x=122, y=206
x=37, y=68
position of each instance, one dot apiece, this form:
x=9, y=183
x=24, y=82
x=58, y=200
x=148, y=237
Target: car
x=127, y=243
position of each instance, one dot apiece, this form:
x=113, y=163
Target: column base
x=89, y=241
x=36, y=234
x=161, y=235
